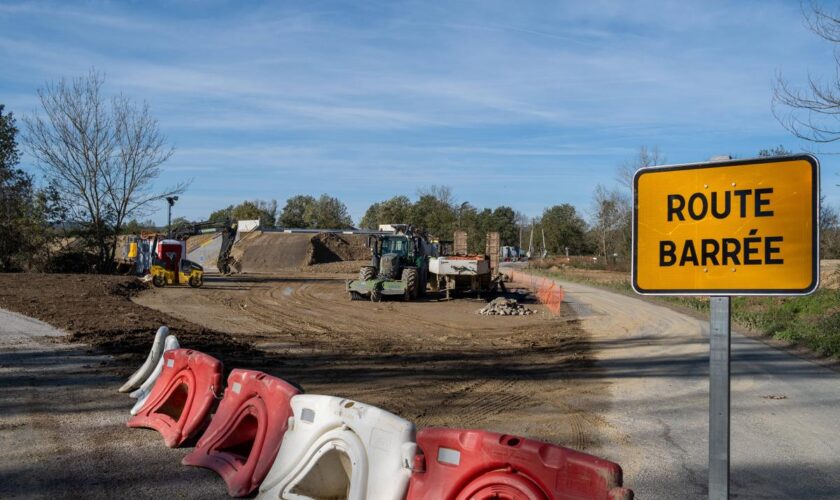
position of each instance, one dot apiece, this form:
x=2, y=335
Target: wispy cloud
x=478, y=95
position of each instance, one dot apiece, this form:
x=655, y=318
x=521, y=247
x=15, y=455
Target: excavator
x=172, y=268
x=226, y=227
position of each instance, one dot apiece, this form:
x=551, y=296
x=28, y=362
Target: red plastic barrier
x=243, y=438
x=182, y=397
x=459, y=464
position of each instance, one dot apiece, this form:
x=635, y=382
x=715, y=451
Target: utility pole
x=544, y=250
x=171, y=201
x=531, y=241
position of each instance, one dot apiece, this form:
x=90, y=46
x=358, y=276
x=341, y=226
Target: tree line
x=434, y=211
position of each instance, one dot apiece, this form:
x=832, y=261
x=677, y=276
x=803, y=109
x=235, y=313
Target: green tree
x=26, y=213
x=264, y=211
x=295, y=211
x=503, y=221
x=15, y=193
x=307, y=212
x=328, y=213
x=435, y=212
x=434, y=215
x=396, y=210
x=221, y=214
x=563, y=228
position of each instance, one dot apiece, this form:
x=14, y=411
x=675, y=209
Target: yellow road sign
x=744, y=227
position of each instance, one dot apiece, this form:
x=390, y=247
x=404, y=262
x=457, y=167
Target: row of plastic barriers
x=261, y=432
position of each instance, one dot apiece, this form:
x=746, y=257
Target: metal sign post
x=719, y=350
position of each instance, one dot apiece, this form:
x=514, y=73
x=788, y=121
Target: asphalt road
x=785, y=425
x=62, y=426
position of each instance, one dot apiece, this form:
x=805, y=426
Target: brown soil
x=259, y=252
x=433, y=362
x=327, y=247
x=98, y=310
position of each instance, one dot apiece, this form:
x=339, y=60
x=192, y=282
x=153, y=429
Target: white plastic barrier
x=142, y=394
x=338, y=448
x=148, y=366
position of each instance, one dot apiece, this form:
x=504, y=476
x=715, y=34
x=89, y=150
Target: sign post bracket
x=720, y=346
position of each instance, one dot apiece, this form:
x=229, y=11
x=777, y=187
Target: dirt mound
x=98, y=310
x=328, y=247
x=260, y=252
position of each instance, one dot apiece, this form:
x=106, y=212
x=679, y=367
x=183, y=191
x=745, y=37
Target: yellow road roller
x=188, y=273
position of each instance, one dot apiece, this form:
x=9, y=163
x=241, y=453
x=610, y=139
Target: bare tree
x=439, y=192
x=102, y=155
x=610, y=214
x=813, y=113
x=645, y=158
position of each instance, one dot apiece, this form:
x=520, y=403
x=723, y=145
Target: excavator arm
x=226, y=227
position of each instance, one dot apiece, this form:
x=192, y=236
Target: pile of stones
x=502, y=306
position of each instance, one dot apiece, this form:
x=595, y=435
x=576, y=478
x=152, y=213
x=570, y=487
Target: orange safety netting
x=548, y=292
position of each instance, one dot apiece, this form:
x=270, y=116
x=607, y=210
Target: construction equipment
x=399, y=266
x=226, y=227
x=460, y=271
x=169, y=267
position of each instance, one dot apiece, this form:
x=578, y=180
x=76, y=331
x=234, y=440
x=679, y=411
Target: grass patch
x=812, y=321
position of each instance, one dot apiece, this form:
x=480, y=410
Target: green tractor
x=399, y=267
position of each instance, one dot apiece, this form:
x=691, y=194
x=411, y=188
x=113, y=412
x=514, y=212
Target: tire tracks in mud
x=437, y=363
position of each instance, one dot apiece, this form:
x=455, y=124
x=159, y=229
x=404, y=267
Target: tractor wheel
x=356, y=296
x=376, y=295
x=196, y=281
x=158, y=280
x=409, y=279
x=367, y=273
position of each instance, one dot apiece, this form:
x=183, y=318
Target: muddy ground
x=97, y=310
x=433, y=362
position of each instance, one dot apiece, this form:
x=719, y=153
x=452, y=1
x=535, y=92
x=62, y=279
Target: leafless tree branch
x=812, y=114
x=102, y=155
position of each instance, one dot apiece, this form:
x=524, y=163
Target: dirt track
x=433, y=362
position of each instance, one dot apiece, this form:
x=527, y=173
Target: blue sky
x=526, y=104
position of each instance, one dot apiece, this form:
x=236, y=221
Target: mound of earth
x=259, y=252
x=328, y=247
x=269, y=252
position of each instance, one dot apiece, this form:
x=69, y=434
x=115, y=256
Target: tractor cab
x=395, y=244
